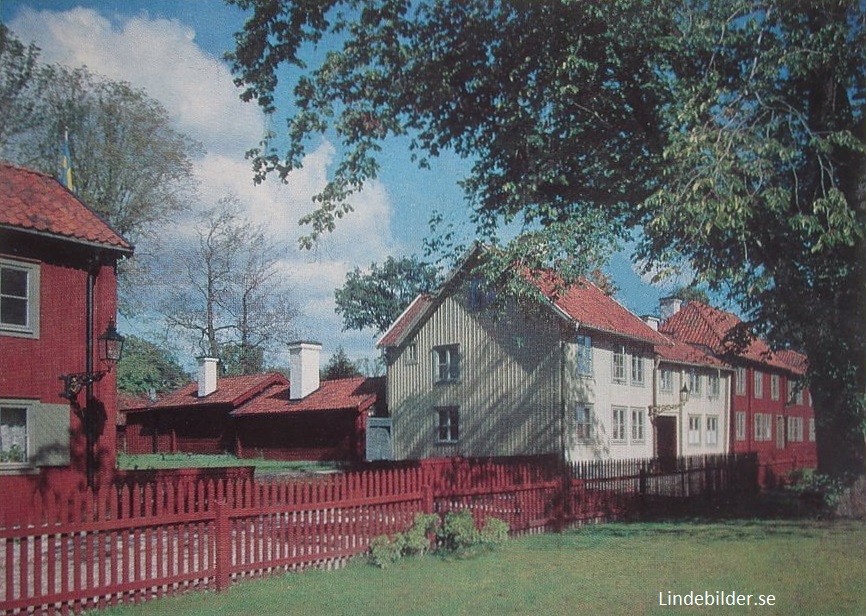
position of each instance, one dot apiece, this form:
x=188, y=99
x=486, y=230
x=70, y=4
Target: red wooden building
x=771, y=412
x=58, y=294
x=259, y=415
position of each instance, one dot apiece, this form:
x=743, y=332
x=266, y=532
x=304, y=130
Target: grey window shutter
x=50, y=437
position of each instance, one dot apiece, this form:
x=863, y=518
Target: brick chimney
x=303, y=368
x=207, y=376
x=669, y=306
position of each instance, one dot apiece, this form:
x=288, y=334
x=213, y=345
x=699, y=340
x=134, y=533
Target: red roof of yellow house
x=411, y=315
x=592, y=308
x=683, y=353
x=37, y=203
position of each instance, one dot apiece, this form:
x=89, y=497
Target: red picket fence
x=134, y=541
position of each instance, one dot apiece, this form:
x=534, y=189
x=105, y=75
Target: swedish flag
x=66, y=164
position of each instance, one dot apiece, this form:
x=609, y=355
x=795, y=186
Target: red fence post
x=427, y=498
x=222, y=546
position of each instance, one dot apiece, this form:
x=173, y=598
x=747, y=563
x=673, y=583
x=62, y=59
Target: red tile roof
x=413, y=313
x=682, y=353
x=718, y=330
x=583, y=303
x=592, y=308
x=798, y=362
x=358, y=393
x=38, y=203
x=231, y=391
x=268, y=393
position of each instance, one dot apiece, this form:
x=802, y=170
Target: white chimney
x=304, y=368
x=669, y=306
x=207, y=376
x=652, y=321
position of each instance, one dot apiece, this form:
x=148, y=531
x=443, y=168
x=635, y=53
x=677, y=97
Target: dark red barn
x=260, y=415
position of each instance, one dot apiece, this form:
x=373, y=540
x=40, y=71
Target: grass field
x=811, y=568
x=184, y=460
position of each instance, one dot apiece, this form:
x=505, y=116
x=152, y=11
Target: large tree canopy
x=730, y=133
x=374, y=299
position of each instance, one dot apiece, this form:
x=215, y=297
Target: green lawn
x=184, y=460
x=810, y=568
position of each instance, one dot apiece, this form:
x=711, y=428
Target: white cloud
x=163, y=57
x=158, y=55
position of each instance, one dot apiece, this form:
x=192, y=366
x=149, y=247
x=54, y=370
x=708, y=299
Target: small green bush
x=416, y=540
x=385, y=551
x=820, y=491
x=495, y=531
x=458, y=531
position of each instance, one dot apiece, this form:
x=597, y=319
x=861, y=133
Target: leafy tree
x=732, y=133
x=129, y=163
x=230, y=298
x=18, y=64
x=237, y=358
x=374, y=299
x=340, y=367
x=146, y=367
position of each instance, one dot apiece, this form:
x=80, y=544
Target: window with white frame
x=638, y=431
x=774, y=386
x=448, y=429
x=637, y=365
x=811, y=429
x=795, y=429
x=711, y=436
x=14, y=437
x=446, y=363
x=795, y=392
x=694, y=383
x=694, y=430
x=412, y=353
x=759, y=384
x=740, y=379
x=666, y=380
x=583, y=422
x=740, y=428
x=619, y=424
x=19, y=298
x=619, y=373
x=763, y=427
x=584, y=355
x=714, y=388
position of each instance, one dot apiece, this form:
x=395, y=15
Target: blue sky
x=173, y=49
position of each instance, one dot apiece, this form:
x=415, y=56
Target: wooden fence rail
x=130, y=542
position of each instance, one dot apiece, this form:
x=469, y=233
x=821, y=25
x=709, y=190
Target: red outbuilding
x=259, y=415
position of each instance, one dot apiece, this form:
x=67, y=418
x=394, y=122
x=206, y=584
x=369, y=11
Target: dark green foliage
x=374, y=299
x=340, y=367
x=237, y=358
x=147, y=367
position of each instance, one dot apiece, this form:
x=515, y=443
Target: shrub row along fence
x=133, y=541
